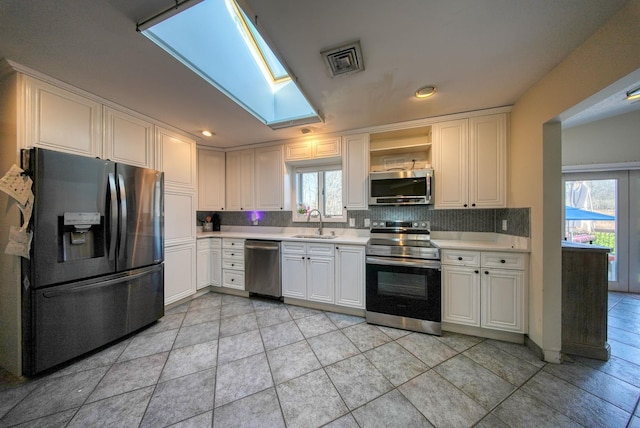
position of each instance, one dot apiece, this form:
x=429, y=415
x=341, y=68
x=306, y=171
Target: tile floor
x=229, y=361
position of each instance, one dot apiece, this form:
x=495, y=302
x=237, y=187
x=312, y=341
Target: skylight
x=216, y=40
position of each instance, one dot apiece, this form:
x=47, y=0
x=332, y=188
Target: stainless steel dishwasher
x=262, y=267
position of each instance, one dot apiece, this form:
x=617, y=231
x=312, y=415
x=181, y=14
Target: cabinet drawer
x=461, y=258
x=215, y=243
x=233, y=243
x=314, y=249
x=233, y=254
x=297, y=247
x=233, y=279
x=233, y=264
x=503, y=260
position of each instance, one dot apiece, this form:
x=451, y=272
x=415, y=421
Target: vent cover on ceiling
x=344, y=59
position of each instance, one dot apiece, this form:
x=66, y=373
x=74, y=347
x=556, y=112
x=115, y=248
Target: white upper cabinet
x=270, y=181
x=470, y=162
x=61, y=120
x=313, y=149
x=176, y=156
x=239, y=180
x=128, y=139
x=488, y=161
x=450, y=162
x=355, y=171
x=211, y=180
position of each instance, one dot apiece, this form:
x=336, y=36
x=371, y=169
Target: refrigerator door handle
x=81, y=288
x=113, y=216
x=123, y=215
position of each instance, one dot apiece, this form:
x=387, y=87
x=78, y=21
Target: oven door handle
x=389, y=261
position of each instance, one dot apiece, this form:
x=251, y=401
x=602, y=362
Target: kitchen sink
x=315, y=236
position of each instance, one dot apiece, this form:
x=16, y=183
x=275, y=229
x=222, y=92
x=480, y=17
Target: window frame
x=297, y=217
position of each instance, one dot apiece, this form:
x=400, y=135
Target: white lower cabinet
x=485, y=289
x=461, y=295
x=326, y=273
x=233, y=263
x=179, y=272
x=308, y=271
x=350, y=275
x=209, y=262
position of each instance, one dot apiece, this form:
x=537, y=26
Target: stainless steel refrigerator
x=95, y=272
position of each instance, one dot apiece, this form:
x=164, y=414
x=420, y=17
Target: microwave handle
x=429, y=187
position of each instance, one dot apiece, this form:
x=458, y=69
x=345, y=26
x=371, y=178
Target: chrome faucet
x=309, y=218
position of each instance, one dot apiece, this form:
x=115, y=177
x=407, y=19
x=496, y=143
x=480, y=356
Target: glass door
x=597, y=212
x=634, y=231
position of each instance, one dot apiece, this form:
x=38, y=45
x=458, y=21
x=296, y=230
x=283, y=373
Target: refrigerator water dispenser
x=81, y=235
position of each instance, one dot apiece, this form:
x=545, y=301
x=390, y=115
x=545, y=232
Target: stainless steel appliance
x=403, y=277
x=262, y=267
x=96, y=268
x=411, y=187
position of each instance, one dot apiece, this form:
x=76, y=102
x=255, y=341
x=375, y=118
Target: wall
x=10, y=313
x=535, y=152
x=592, y=143
x=471, y=220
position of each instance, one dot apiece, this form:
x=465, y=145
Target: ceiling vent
x=344, y=59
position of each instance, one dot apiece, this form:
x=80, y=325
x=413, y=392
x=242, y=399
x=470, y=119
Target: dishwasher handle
x=262, y=246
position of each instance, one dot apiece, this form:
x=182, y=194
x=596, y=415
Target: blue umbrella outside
x=572, y=213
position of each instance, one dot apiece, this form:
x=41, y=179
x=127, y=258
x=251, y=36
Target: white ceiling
x=479, y=53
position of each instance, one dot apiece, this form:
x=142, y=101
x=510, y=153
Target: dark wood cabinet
x=584, y=300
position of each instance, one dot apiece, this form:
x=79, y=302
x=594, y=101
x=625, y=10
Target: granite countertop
x=343, y=236
x=478, y=241
x=581, y=246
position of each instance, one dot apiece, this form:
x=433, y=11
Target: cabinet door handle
x=473, y=205
x=476, y=271
x=486, y=272
x=460, y=258
x=465, y=205
x=302, y=257
x=232, y=279
x=503, y=261
x=232, y=265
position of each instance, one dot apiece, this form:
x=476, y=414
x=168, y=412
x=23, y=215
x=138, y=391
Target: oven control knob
x=424, y=225
x=375, y=224
x=415, y=224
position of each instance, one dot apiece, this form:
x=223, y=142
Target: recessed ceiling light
x=425, y=91
x=306, y=131
x=207, y=133
x=633, y=94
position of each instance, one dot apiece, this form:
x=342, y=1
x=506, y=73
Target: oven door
x=404, y=287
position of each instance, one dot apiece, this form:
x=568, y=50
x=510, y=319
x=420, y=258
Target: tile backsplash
x=467, y=220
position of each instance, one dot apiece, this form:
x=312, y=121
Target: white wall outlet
x=352, y=222
x=367, y=222
x=504, y=224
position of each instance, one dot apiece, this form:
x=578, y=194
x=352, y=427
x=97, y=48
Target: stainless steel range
x=403, y=276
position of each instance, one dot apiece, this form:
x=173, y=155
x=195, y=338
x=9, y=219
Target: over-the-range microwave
x=411, y=187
